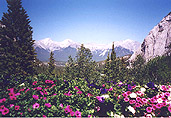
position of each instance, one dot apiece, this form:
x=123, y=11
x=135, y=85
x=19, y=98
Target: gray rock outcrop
x=157, y=41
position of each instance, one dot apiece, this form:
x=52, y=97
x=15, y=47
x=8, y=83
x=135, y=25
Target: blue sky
x=88, y=21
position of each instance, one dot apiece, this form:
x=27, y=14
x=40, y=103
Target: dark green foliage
x=16, y=44
x=51, y=63
x=83, y=67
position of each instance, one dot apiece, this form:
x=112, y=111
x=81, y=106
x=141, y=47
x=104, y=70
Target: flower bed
x=47, y=97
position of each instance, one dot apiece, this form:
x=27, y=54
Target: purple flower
x=150, y=85
x=103, y=90
x=129, y=87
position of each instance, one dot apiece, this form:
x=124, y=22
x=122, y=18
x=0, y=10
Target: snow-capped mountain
x=68, y=47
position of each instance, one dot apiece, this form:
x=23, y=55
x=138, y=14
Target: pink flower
x=61, y=105
x=5, y=111
x=44, y=116
x=158, y=105
x=45, y=92
x=27, y=90
x=44, y=98
x=78, y=114
x=39, y=88
x=79, y=92
x=34, y=83
x=36, y=106
x=17, y=107
x=11, y=105
x=2, y=108
x=124, y=94
x=72, y=113
x=138, y=99
x=67, y=94
x=167, y=94
x=13, y=98
x=99, y=98
x=164, y=104
x=11, y=94
x=128, y=92
x=144, y=100
x=17, y=94
x=21, y=90
x=48, y=105
x=169, y=108
x=76, y=88
x=137, y=104
x=68, y=109
x=89, y=95
x=29, y=109
x=132, y=101
x=154, y=107
x=152, y=100
x=2, y=100
x=163, y=87
x=47, y=81
x=41, y=93
x=149, y=109
x=103, y=85
x=110, y=89
x=21, y=114
x=89, y=116
x=35, y=97
x=97, y=108
x=126, y=99
x=11, y=90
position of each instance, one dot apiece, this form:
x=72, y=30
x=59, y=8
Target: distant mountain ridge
x=68, y=47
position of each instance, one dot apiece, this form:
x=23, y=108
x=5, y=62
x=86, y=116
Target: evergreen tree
x=51, y=63
x=17, y=53
x=106, y=70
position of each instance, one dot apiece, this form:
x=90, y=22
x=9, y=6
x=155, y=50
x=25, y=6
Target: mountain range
x=68, y=47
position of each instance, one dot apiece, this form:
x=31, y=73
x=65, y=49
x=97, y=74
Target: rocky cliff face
x=157, y=41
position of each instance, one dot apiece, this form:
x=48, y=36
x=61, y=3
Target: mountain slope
x=68, y=47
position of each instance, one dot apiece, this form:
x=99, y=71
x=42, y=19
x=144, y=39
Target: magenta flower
x=2, y=108
x=2, y=100
x=124, y=94
x=68, y=109
x=103, y=85
x=89, y=95
x=89, y=116
x=128, y=92
x=79, y=92
x=44, y=98
x=44, y=116
x=48, y=105
x=137, y=104
x=72, y=113
x=76, y=88
x=35, y=97
x=36, y=106
x=110, y=89
x=164, y=104
x=163, y=87
x=78, y=114
x=34, y=83
x=13, y=98
x=11, y=94
x=126, y=99
x=17, y=94
x=5, y=111
x=21, y=90
x=41, y=93
x=11, y=90
x=27, y=90
x=67, y=94
x=167, y=94
x=17, y=107
x=100, y=99
x=45, y=92
x=47, y=81
x=138, y=99
x=154, y=107
x=169, y=108
x=158, y=105
x=39, y=88
x=11, y=105
x=61, y=105
x=144, y=100
x=132, y=101
x=149, y=109
x=152, y=100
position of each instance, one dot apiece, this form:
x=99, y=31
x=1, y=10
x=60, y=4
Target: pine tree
x=16, y=44
x=51, y=63
x=106, y=70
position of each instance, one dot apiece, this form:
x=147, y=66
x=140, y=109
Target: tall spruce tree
x=106, y=70
x=51, y=63
x=17, y=53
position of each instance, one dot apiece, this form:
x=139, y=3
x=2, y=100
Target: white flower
x=131, y=109
x=159, y=100
x=133, y=95
x=149, y=115
x=22, y=84
x=142, y=90
x=105, y=96
x=169, y=98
